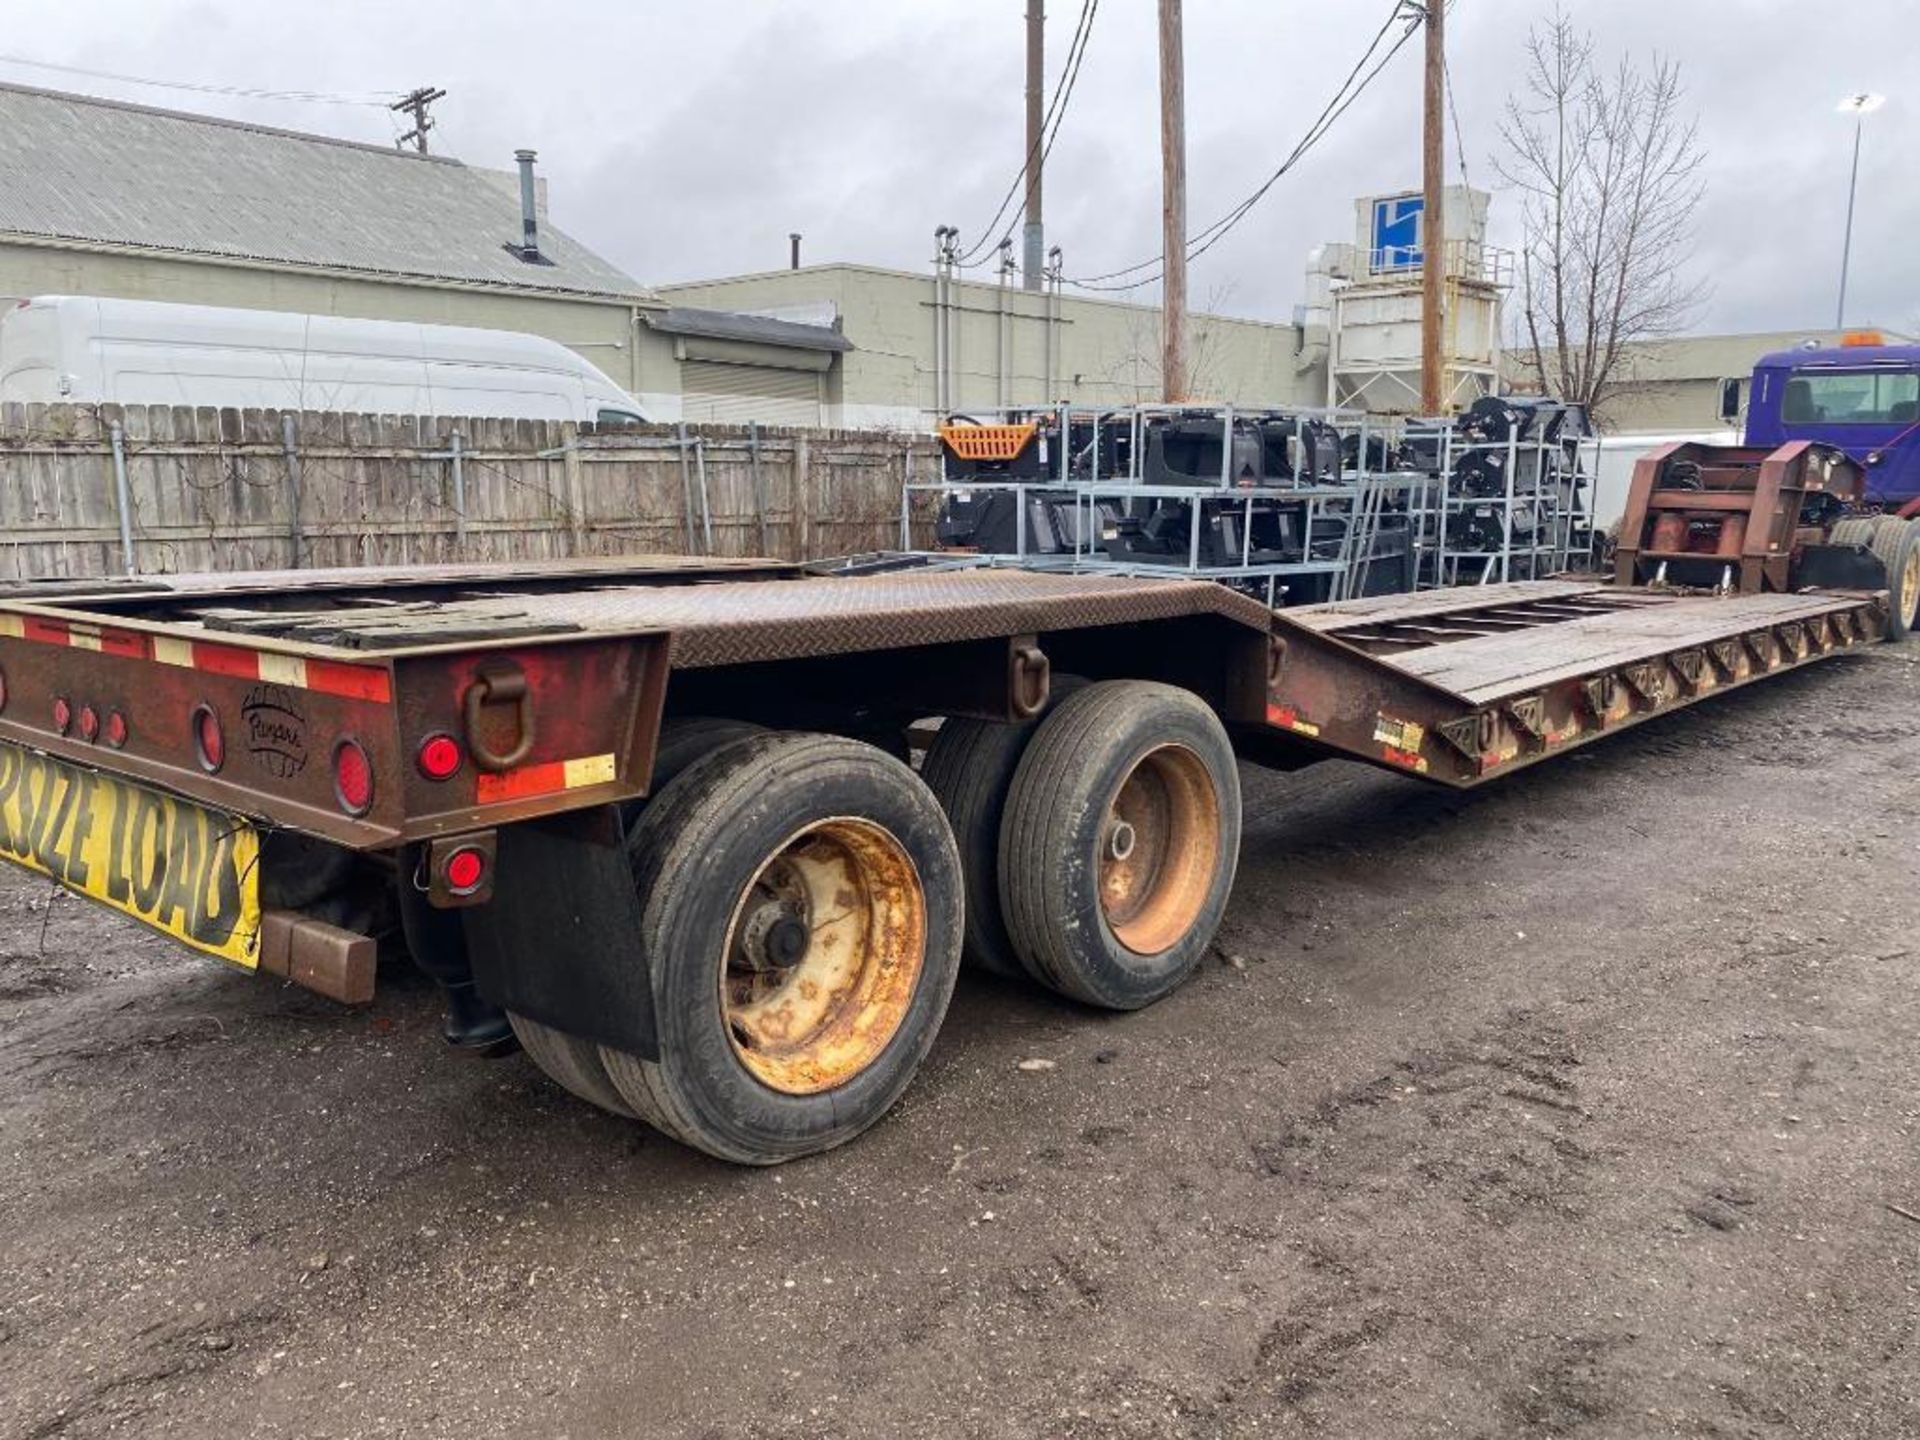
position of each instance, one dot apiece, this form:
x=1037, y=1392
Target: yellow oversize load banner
x=185, y=870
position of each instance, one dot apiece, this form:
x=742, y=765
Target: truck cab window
x=1853, y=397
x=617, y=420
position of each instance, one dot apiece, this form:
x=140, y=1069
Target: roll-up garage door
x=735, y=394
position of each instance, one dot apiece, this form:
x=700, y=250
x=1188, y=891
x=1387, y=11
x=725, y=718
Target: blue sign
x=1396, y=234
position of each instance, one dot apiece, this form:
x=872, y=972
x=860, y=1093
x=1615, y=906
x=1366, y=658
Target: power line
x=1459, y=141
x=313, y=97
x=1050, y=128
x=1204, y=240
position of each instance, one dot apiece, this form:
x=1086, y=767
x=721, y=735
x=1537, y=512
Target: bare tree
x=1608, y=164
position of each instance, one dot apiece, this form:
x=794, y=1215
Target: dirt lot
x=1576, y=1107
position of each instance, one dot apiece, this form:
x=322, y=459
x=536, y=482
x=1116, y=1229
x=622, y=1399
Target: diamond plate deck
x=713, y=621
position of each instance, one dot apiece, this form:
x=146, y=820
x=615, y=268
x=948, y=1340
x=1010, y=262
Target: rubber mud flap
x=559, y=941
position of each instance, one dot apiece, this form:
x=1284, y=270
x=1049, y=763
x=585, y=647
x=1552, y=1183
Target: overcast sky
x=683, y=140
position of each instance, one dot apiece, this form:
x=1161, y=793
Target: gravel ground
x=1578, y=1106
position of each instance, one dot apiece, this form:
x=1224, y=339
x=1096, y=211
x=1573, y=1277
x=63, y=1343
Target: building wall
x=606, y=332
x=1104, y=352
x=1672, y=386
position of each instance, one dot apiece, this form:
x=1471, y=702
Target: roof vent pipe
x=794, y=239
x=529, y=223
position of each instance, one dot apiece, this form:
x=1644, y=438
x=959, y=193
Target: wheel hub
x=1159, y=846
x=823, y=956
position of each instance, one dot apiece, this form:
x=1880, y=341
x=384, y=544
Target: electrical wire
x=1204, y=240
x=314, y=97
x=1050, y=123
x=1459, y=140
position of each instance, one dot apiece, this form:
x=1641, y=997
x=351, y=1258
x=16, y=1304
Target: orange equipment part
x=987, y=442
x=1733, y=537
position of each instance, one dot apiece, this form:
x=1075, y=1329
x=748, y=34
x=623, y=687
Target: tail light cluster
x=83, y=721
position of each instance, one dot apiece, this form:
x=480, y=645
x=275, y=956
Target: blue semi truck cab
x=1862, y=396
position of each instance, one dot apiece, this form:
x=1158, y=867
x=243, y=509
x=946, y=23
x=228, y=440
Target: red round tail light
x=209, y=740
x=353, y=777
x=440, y=757
x=465, y=870
x=115, y=730
x=3, y=689
x=89, y=723
x=62, y=714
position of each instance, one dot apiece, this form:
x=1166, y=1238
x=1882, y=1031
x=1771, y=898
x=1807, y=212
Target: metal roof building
x=100, y=197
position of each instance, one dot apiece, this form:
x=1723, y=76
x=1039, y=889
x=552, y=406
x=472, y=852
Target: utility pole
x=1033, y=249
x=1433, y=220
x=1859, y=106
x=415, y=103
x=1173, y=204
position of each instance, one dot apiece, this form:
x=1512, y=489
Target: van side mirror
x=1730, y=400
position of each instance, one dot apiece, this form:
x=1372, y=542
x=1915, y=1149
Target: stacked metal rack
x=1508, y=495
x=1286, y=506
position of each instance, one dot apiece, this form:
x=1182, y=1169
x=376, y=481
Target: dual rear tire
x=1896, y=544
x=804, y=900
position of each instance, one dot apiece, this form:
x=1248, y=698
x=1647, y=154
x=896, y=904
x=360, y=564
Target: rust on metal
x=317, y=956
x=1488, y=682
x=1159, y=848
x=1695, y=511
x=823, y=955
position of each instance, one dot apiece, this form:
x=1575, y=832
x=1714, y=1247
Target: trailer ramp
x=1458, y=686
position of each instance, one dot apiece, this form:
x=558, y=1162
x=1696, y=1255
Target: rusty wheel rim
x=1910, y=587
x=1159, y=848
x=823, y=954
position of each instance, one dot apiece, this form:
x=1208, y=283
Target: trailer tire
x=1119, y=842
x=765, y=1056
x=1897, y=543
x=970, y=767
x=572, y=1061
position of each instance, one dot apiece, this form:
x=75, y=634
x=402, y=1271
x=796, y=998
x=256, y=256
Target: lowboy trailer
x=655, y=818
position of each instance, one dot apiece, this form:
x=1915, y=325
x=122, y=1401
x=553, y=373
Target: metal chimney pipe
x=529, y=222
x=794, y=237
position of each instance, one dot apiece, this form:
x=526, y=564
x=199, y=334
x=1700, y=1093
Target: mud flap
x=1839, y=567
x=559, y=942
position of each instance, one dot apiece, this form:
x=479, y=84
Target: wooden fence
x=106, y=490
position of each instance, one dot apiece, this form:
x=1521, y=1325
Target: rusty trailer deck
x=1460, y=685
x=1454, y=686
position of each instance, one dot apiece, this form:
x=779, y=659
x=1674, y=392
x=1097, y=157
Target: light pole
x=1859, y=106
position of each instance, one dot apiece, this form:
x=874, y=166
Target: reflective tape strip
x=169, y=651
x=332, y=677
x=592, y=770
x=284, y=670
x=548, y=778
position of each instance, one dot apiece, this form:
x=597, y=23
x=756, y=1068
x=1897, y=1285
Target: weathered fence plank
x=214, y=490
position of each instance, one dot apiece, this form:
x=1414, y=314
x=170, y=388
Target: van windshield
x=1852, y=397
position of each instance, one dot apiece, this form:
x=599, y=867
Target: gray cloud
x=686, y=140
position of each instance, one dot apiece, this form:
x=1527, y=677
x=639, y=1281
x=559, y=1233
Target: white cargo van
x=83, y=350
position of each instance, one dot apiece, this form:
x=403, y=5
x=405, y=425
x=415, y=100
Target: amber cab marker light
x=440, y=757
x=209, y=741
x=353, y=777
